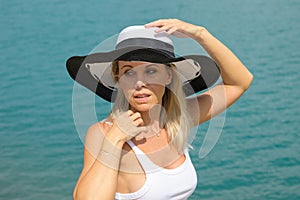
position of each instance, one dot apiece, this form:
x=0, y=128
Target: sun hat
x=137, y=43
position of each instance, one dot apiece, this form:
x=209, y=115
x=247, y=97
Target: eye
x=151, y=71
x=129, y=72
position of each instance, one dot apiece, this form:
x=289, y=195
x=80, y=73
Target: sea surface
x=257, y=155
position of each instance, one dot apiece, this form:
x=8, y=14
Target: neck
x=152, y=116
x=152, y=121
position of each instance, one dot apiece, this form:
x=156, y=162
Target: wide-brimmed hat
x=137, y=43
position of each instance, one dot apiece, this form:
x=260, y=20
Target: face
x=143, y=83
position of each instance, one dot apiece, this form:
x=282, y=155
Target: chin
x=141, y=107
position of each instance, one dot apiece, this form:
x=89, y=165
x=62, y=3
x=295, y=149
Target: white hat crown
x=139, y=31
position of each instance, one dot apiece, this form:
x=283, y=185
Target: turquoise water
x=257, y=155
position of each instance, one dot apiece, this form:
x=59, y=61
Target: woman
x=140, y=150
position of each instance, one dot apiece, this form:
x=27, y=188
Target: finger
x=165, y=28
x=142, y=129
x=135, y=116
x=142, y=133
x=153, y=24
x=137, y=131
x=157, y=23
x=129, y=112
x=171, y=30
x=138, y=122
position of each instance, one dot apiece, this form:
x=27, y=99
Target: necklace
x=153, y=131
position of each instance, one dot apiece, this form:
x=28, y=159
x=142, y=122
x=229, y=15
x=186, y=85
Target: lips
x=141, y=95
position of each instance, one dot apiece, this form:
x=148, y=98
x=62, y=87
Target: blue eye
x=129, y=72
x=151, y=71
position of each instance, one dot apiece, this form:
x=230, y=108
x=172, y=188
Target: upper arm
x=214, y=102
x=93, y=141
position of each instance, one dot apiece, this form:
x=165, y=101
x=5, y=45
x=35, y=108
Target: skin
x=141, y=86
x=98, y=181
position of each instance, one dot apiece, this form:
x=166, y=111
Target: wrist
x=115, y=138
x=110, y=154
x=200, y=33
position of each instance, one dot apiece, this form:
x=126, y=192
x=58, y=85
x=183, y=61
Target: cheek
x=128, y=93
x=125, y=87
x=159, y=91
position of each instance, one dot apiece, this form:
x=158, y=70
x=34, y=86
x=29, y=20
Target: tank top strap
x=135, y=149
x=143, y=159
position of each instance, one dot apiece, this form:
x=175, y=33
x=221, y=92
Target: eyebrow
x=149, y=65
x=125, y=66
x=122, y=68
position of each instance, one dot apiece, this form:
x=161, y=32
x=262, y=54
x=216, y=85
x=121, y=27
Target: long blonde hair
x=178, y=123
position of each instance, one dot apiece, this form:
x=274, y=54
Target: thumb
x=142, y=132
x=142, y=128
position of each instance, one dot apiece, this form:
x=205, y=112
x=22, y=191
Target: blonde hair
x=178, y=124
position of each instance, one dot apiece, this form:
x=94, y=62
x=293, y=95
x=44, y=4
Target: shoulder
x=95, y=134
x=101, y=127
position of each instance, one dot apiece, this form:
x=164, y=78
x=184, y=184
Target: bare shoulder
x=99, y=128
x=94, y=137
x=92, y=144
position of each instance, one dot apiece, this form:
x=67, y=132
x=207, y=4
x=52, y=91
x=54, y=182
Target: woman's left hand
x=176, y=27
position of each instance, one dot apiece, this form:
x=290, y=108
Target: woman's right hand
x=128, y=125
x=100, y=179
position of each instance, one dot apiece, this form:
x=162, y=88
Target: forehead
x=135, y=63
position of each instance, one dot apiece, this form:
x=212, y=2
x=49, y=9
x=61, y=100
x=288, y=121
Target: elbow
x=74, y=194
x=77, y=197
x=80, y=195
x=249, y=81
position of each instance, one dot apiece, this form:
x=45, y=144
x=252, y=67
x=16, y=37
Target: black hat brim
x=210, y=72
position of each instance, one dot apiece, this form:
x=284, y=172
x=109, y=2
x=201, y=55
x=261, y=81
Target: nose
x=140, y=80
x=139, y=84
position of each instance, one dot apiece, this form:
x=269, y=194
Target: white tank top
x=161, y=183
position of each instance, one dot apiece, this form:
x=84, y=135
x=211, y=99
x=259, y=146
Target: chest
x=132, y=174
x=175, y=183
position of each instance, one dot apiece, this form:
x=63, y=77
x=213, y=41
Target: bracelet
x=109, y=155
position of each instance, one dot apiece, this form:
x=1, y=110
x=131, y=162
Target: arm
x=236, y=77
x=99, y=175
x=102, y=153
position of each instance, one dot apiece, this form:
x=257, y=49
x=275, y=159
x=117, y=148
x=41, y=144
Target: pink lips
x=141, y=97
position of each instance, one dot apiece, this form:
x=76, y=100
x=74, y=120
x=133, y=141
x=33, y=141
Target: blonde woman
x=140, y=151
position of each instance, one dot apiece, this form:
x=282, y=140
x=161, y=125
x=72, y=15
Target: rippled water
x=257, y=155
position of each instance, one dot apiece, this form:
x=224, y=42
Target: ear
x=169, y=76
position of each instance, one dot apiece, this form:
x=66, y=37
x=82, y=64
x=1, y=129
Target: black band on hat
x=145, y=42
x=148, y=55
